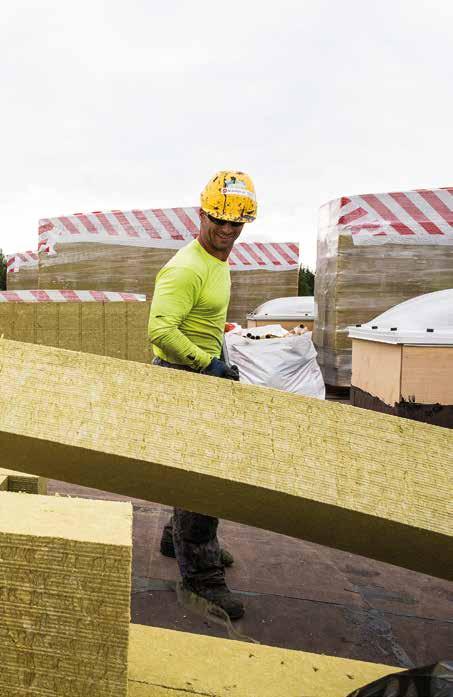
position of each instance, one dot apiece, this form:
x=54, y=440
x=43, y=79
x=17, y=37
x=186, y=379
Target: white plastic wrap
x=374, y=252
x=287, y=363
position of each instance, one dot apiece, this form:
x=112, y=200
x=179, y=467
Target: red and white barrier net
x=68, y=296
x=169, y=228
x=423, y=216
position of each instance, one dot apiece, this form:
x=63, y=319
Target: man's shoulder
x=185, y=266
x=188, y=258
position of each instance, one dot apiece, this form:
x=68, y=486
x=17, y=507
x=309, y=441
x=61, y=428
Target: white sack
x=287, y=364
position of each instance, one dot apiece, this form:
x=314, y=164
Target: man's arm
x=175, y=294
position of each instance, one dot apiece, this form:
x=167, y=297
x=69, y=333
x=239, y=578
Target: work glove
x=219, y=369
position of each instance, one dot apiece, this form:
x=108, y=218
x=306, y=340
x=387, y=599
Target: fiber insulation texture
x=117, y=329
x=176, y=664
x=26, y=278
x=65, y=593
x=92, y=266
x=333, y=474
x=355, y=283
x=25, y=483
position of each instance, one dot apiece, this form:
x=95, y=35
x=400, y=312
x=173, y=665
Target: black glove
x=219, y=369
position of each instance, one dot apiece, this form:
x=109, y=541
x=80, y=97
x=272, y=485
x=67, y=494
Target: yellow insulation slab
x=336, y=475
x=164, y=663
x=117, y=329
x=64, y=596
x=26, y=483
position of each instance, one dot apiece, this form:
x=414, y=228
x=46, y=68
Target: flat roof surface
x=298, y=595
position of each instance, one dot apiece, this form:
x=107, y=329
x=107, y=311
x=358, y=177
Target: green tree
x=306, y=281
x=2, y=271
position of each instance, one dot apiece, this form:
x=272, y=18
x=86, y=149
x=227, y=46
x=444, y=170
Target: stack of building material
x=22, y=482
x=375, y=251
x=22, y=271
x=402, y=361
x=124, y=250
x=66, y=577
x=107, y=323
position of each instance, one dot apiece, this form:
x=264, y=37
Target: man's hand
x=219, y=369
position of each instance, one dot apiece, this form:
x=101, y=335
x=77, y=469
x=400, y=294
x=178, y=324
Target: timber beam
x=355, y=480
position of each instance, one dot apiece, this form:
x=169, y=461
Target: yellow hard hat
x=230, y=196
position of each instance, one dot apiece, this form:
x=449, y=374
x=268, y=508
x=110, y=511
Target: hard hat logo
x=237, y=187
x=230, y=196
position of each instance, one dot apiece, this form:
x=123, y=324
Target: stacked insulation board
x=22, y=271
x=64, y=596
x=375, y=251
x=124, y=251
x=107, y=323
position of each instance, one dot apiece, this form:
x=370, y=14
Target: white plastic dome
x=426, y=319
x=302, y=307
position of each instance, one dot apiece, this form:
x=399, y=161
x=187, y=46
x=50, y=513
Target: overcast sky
x=136, y=104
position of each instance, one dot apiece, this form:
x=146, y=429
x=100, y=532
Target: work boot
x=219, y=595
x=167, y=548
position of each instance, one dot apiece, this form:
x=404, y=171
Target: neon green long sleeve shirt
x=189, y=308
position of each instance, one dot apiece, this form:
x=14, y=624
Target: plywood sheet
x=324, y=472
x=65, y=592
x=427, y=374
x=163, y=662
x=376, y=369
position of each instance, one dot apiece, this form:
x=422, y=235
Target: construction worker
x=186, y=329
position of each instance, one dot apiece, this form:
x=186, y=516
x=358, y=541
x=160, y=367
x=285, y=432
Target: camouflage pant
x=195, y=536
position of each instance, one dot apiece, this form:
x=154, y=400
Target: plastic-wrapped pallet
x=374, y=252
x=22, y=271
x=124, y=250
x=106, y=323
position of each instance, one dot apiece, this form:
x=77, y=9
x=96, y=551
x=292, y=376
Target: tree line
x=306, y=281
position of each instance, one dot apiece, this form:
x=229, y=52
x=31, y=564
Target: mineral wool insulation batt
x=64, y=596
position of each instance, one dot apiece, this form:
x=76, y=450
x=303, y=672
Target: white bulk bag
x=286, y=363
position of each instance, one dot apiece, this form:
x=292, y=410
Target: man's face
x=220, y=237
